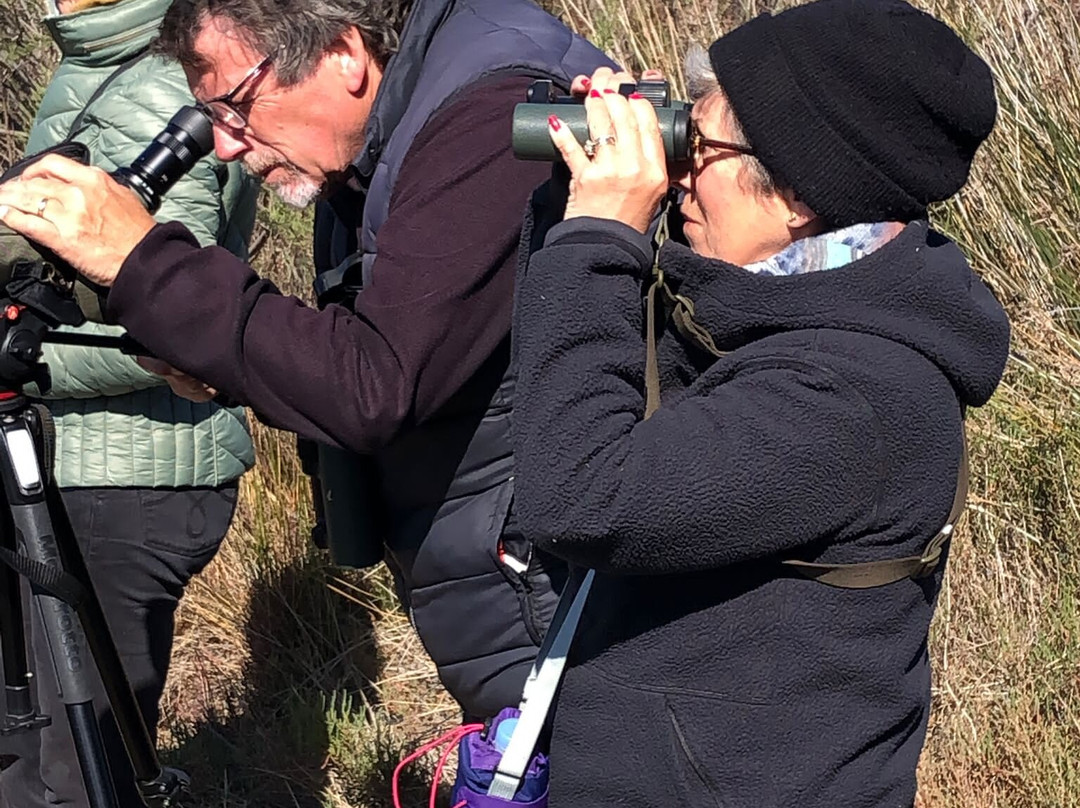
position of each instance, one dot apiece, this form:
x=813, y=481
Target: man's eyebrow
x=200, y=78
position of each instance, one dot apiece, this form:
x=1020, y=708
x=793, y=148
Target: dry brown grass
x=295, y=684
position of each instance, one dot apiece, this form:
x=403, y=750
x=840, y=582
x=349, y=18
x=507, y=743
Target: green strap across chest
x=661, y=303
x=879, y=573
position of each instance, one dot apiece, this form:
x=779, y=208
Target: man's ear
x=350, y=55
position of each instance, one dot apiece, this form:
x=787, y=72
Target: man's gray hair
x=701, y=81
x=298, y=33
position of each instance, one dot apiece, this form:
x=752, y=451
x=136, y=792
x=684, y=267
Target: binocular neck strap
x=870, y=574
x=660, y=304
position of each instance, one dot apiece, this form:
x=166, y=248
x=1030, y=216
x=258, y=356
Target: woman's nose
x=681, y=177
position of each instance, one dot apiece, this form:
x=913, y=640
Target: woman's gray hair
x=701, y=81
x=297, y=32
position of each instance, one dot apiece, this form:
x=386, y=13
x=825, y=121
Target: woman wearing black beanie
x=770, y=541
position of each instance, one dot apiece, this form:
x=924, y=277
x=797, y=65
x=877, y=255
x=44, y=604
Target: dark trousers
x=142, y=546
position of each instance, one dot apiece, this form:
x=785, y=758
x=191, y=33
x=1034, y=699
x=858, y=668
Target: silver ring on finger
x=42, y=203
x=590, y=146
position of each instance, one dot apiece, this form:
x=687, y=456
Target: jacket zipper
x=119, y=39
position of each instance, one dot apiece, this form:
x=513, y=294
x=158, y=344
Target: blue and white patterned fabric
x=830, y=250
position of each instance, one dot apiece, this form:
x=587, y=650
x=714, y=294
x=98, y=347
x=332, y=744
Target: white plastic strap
x=539, y=691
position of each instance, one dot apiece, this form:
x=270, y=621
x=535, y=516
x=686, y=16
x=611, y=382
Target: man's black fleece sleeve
x=439, y=303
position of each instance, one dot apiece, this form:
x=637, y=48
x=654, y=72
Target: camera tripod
x=36, y=539
x=37, y=542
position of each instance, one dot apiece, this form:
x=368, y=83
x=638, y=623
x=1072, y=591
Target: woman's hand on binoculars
x=621, y=172
x=79, y=212
x=581, y=84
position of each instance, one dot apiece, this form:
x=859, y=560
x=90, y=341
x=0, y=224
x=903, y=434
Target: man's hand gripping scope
x=93, y=220
x=79, y=219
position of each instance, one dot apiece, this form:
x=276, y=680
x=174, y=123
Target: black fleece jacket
x=702, y=674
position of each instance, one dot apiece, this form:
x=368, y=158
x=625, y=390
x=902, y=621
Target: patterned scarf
x=830, y=250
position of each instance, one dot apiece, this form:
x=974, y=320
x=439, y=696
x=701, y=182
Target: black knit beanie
x=868, y=109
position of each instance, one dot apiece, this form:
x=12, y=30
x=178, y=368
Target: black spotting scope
x=532, y=141
x=186, y=139
x=39, y=291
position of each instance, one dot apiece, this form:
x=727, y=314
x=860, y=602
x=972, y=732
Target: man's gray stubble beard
x=296, y=190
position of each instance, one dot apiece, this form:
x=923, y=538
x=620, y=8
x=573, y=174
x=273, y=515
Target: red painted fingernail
x=608, y=90
x=554, y=122
x=594, y=93
x=636, y=95
x=586, y=83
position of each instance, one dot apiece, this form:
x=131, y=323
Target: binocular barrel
x=532, y=140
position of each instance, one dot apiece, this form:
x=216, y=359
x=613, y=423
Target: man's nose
x=228, y=144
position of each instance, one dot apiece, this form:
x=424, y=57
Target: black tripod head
x=41, y=292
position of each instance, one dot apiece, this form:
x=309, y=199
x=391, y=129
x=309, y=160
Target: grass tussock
x=293, y=683
x=297, y=684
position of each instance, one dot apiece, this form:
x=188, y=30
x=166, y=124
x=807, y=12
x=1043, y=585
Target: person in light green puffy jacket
x=149, y=478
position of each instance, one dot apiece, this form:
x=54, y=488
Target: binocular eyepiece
x=532, y=141
x=186, y=139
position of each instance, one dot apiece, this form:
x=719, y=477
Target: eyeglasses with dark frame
x=222, y=108
x=698, y=143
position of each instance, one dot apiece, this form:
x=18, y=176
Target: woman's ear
x=800, y=219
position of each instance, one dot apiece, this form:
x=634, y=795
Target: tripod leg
x=158, y=788
x=62, y=629
x=20, y=715
x=54, y=562
x=125, y=706
x=90, y=747
x=13, y=641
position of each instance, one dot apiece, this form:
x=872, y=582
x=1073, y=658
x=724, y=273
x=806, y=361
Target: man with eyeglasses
x=396, y=117
x=149, y=480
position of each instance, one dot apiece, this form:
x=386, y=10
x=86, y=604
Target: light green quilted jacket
x=118, y=425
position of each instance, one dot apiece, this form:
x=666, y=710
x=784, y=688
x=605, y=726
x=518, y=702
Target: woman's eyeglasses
x=223, y=107
x=699, y=143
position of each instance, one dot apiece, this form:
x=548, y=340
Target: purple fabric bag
x=477, y=761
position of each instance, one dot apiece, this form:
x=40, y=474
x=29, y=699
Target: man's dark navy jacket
x=415, y=374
